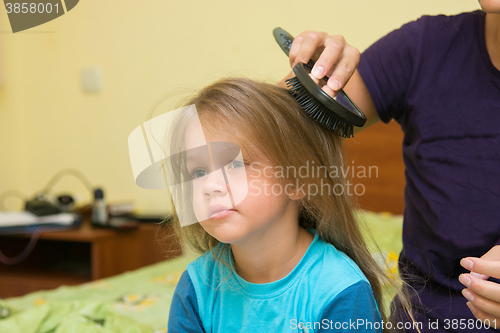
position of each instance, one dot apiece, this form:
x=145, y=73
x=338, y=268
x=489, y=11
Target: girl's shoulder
x=332, y=270
x=323, y=267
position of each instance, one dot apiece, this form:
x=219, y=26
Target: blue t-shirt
x=325, y=292
x=435, y=78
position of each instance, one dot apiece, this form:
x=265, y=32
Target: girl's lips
x=221, y=214
x=216, y=209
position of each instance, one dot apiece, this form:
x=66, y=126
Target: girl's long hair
x=264, y=117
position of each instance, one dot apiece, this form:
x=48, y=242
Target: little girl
x=282, y=249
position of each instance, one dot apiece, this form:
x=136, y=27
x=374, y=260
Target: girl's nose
x=215, y=184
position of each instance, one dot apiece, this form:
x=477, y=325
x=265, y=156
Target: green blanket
x=139, y=301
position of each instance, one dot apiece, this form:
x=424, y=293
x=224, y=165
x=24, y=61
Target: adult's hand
x=334, y=58
x=337, y=60
x=483, y=296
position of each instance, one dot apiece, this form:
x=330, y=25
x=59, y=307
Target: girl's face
x=237, y=200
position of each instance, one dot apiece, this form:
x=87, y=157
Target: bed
x=139, y=301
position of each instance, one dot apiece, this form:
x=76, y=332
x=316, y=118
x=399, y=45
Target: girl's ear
x=295, y=193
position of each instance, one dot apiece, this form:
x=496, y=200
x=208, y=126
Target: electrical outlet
x=91, y=79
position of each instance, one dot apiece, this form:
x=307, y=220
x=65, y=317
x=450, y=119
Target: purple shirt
x=435, y=78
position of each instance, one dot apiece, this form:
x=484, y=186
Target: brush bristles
x=317, y=111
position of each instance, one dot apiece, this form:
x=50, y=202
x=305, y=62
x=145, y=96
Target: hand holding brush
x=336, y=113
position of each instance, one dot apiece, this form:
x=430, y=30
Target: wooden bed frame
x=379, y=146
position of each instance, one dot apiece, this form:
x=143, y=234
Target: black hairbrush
x=338, y=114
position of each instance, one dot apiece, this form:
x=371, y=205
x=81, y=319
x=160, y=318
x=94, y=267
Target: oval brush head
x=338, y=114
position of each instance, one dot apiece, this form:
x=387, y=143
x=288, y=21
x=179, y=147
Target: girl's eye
x=198, y=173
x=236, y=164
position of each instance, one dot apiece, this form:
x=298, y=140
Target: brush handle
x=285, y=40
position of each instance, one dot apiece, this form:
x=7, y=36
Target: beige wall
x=146, y=49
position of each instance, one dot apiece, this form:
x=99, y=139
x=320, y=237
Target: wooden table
x=81, y=255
